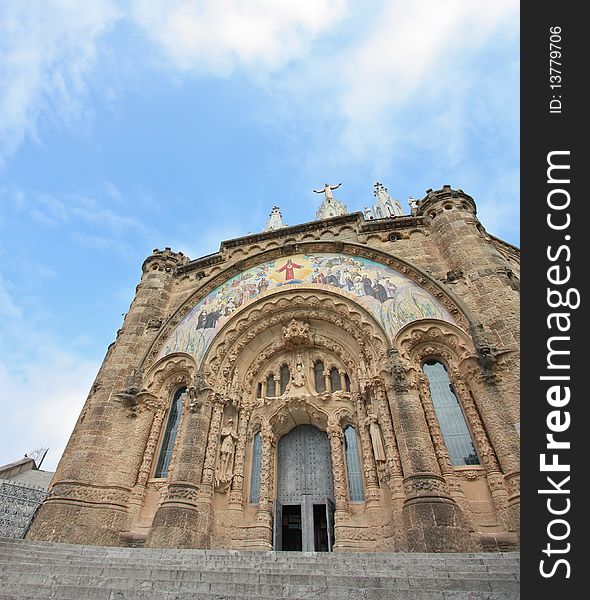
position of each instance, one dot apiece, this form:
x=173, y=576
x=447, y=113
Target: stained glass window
x=285, y=376
x=335, y=382
x=450, y=416
x=353, y=465
x=170, y=434
x=255, y=478
x=271, y=388
x=318, y=372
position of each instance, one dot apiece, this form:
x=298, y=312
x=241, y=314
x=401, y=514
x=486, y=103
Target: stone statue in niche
x=226, y=456
x=299, y=383
x=298, y=377
x=235, y=389
x=376, y=438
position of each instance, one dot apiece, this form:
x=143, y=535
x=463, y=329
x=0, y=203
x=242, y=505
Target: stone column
x=236, y=494
x=264, y=515
x=341, y=514
x=372, y=495
x=179, y=521
x=440, y=448
x=145, y=469
x=212, y=443
x=433, y=520
x=327, y=381
x=394, y=474
x=481, y=393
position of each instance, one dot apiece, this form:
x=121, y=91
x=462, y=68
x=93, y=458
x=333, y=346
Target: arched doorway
x=304, y=508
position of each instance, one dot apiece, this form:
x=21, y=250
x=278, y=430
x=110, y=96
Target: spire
x=275, y=220
x=330, y=207
x=385, y=206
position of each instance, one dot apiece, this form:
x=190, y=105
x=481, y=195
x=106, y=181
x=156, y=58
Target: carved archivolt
x=430, y=337
x=366, y=337
x=168, y=374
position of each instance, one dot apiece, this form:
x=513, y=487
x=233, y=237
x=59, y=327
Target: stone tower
x=344, y=384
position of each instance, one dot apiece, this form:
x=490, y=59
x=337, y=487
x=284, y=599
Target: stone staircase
x=30, y=569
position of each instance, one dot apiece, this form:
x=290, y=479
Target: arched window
x=353, y=465
x=318, y=373
x=271, y=388
x=170, y=434
x=335, y=382
x=347, y=382
x=255, y=477
x=450, y=416
x=259, y=390
x=285, y=377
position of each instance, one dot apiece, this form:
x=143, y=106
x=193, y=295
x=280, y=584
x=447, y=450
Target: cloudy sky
x=129, y=126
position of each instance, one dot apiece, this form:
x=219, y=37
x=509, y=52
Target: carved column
x=264, y=516
x=236, y=495
x=179, y=521
x=212, y=443
x=440, y=449
x=394, y=474
x=149, y=455
x=327, y=381
x=341, y=514
x=499, y=452
x=434, y=521
x=372, y=495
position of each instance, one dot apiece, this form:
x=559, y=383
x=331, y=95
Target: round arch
x=394, y=291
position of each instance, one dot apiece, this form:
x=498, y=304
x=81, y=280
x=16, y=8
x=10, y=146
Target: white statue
x=328, y=190
x=226, y=453
x=376, y=438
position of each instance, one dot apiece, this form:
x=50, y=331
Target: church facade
x=350, y=383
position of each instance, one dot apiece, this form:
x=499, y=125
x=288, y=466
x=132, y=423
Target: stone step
x=120, y=550
x=205, y=556
x=67, y=572
x=65, y=592
x=98, y=567
x=245, y=561
x=16, y=573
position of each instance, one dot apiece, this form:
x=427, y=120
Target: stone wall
x=105, y=492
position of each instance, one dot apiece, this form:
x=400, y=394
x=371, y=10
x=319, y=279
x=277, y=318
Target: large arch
x=393, y=291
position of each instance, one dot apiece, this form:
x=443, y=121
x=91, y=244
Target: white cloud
x=218, y=36
x=47, y=49
x=414, y=60
x=42, y=385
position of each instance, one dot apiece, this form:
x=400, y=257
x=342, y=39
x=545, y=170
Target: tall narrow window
x=450, y=416
x=259, y=390
x=285, y=376
x=170, y=434
x=347, y=382
x=335, y=382
x=353, y=465
x=271, y=388
x=255, y=477
x=318, y=374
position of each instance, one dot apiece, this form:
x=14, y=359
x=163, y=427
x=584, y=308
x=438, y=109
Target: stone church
x=346, y=384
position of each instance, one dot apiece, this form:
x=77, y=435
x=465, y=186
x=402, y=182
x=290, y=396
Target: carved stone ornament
x=396, y=370
x=296, y=333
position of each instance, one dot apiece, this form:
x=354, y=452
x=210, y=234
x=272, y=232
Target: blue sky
x=129, y=126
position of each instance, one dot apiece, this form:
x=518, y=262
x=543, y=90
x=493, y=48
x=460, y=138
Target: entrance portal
x=304, y=508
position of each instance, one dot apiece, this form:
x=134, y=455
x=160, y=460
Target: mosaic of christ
x=392, y=298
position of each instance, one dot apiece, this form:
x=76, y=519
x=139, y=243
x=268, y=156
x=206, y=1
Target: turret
x=275, y=220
